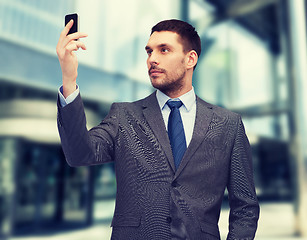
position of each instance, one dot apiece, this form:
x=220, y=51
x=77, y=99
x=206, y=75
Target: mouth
x=153, y=72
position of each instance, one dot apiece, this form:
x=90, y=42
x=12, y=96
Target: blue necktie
x=176, y=132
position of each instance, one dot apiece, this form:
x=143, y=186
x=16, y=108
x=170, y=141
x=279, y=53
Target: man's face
x=166, y=61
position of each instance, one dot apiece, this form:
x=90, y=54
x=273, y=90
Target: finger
x=77, y=35
x=74, y=46
x=73, y=37
x=65, y=31
x=80, y=45
x=68, y=27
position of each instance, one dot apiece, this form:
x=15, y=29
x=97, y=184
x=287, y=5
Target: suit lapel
x=202, y=121
x=153, y=115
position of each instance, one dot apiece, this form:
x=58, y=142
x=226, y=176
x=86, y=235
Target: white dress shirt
x=65, y=101
x=187, y=111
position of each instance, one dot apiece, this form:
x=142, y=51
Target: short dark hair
x=189, y=36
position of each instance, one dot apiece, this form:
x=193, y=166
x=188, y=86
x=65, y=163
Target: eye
x=164, y=50
x=149, y=52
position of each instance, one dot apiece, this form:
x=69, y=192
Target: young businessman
x=174, y=153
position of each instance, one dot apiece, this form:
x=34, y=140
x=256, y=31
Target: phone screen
x=75, y=26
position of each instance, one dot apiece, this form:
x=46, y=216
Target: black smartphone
x=75, y=26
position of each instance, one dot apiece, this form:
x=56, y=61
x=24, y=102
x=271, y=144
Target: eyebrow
x=159, y=46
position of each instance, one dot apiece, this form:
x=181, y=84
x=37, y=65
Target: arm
x=65, y=101
x=82, y=147
x=65, y=49
x=244, y=207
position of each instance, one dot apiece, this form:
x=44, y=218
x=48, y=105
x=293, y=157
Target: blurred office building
x=253, y=62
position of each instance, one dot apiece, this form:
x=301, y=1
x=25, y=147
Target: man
x=172, y=163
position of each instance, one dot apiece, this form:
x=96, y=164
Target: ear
x=192, y=59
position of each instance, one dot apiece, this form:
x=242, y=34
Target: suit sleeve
x=244, y=207
x=80, y=146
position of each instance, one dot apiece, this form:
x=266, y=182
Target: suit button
x=174, y=184
x=169, y=219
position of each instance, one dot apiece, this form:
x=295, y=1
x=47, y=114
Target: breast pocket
x=126, y=221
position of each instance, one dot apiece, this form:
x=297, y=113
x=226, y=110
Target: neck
x=186, y=86
x=177, y=93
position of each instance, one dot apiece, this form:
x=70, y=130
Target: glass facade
x=36, y=23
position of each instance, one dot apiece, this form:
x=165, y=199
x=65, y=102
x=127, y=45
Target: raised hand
x=66, y=47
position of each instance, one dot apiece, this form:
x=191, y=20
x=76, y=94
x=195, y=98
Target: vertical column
x=185, y=10
x=298, y=74
x=8, y=157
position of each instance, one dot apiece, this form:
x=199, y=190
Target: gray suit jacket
x=151, y=195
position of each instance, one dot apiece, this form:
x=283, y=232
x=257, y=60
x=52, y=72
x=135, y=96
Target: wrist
x=69, y=88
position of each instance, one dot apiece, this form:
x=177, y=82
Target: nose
x=153, y=59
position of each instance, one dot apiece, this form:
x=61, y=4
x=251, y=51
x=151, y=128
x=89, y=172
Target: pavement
x=277, y=221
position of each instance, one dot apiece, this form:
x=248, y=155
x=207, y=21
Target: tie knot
x=174, y=104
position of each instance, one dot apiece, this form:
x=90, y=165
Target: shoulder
x=136, y=105
x=218, y=110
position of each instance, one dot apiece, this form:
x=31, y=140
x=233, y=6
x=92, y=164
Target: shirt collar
x=188, y=99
